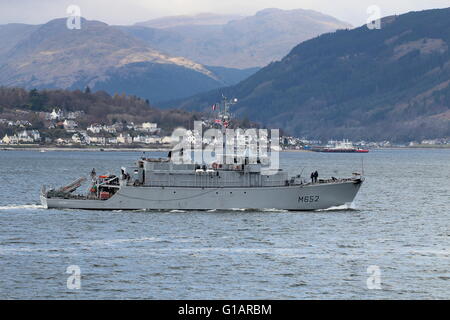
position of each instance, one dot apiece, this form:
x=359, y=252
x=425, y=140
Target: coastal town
x=63, y=130
x=97, y=120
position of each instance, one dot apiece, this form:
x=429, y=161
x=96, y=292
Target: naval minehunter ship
x=162, y=184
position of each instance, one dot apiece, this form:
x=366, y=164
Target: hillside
x=392, y=83
x=99, y=107
x=11, y=34
x=239, y=42
x=99, y=56
x=28, y=109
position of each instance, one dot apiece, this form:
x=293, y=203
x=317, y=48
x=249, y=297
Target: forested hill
x=98, y=107
x=392, y=83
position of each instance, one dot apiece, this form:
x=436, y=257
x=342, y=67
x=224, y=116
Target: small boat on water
x=344, y=146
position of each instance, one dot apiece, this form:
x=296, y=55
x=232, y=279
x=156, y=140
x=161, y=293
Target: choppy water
x=400, y=223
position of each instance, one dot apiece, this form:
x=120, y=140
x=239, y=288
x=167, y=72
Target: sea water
x=392, y=242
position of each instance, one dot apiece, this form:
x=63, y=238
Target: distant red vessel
x=340, y=147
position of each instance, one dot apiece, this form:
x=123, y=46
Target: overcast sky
x=131, y=11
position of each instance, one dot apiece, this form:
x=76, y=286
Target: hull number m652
x=308, y=199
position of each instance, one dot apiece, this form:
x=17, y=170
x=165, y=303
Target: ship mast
x=223, y=119
x=224, y=115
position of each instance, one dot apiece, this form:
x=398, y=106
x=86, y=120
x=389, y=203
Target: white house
x=56, y=115
x=10, y=140
x=81, y=138
x=97, y=140
x=430, y=141
x=23, y=136
x=29, y=136
x=35, y=134
x=19, y=123
x=125, y=138
x=139, y=139
x=69, y=125
x=95, y=128
x=109, y=129
x=149, y=127
x=112, y=140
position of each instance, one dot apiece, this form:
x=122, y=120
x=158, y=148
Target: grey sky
x=131, y=11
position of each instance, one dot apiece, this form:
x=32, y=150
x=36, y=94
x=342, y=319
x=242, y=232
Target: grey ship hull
x=295, y=197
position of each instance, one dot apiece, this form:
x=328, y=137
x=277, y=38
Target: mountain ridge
x=251, y=41
x=392, y=83
x=52, y=56
x=205, y=18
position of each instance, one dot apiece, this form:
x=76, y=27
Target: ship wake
x=344, y=207
x=21, y=206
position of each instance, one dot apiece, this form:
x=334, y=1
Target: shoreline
x=45, y=149
x=149, y=149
